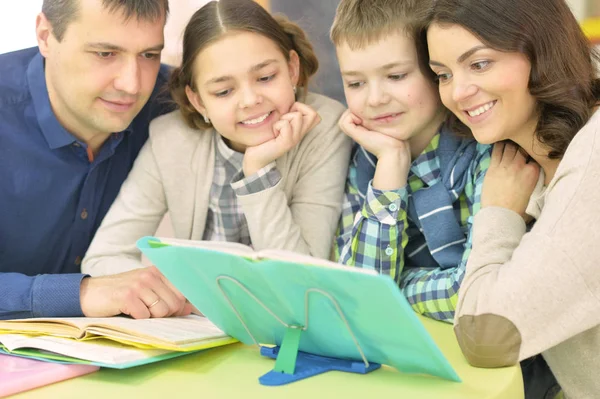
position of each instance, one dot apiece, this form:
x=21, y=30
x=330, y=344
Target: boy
x=413, y=186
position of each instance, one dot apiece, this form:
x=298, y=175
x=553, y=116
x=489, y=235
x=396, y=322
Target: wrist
x=391, y=172
x=83, y=291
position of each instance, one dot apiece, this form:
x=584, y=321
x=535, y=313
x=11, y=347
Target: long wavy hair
x=564, y=79
x=216, y=19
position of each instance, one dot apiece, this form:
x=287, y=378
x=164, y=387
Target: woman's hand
x=510, y=180
x=287, y=133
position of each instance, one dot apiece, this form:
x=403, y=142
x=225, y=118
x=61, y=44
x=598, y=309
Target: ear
x=43, y=33
x=294, y=67
x=195, y=100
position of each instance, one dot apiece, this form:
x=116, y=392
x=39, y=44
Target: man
x=74, y=113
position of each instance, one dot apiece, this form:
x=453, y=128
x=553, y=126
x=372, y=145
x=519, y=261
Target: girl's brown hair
x=564, y=80
x=216, y=19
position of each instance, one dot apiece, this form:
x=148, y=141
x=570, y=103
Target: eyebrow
x=114, y=47
x=254, y=68
x=381, y=68
x=462, y=58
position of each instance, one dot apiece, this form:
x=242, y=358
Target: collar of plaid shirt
x=432, y=206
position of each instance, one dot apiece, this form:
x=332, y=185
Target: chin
x=484, y=138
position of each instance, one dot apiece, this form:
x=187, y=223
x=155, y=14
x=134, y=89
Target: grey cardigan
x=174, y=170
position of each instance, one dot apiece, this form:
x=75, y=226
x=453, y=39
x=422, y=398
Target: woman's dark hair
x=217, y=18
x=564, y=79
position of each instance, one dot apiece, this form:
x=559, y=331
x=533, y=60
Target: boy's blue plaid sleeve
x=372, y=232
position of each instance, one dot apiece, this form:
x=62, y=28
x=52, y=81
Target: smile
x=386, y=118
x=258, y=120
x=481, y=110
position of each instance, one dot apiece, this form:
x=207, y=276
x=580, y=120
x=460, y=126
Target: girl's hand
x=393, y=155
x=287, y=133
x=510, y=180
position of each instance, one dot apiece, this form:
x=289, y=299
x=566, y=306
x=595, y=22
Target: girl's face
x=386, y=88
x=485, y=88
x=244, y=85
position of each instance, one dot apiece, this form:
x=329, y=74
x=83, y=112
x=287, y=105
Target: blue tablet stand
x=308, y=365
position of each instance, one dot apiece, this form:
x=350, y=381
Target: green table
x=233, y=371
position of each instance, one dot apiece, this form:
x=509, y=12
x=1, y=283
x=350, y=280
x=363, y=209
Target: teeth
x=481, y=109
x=257, y=120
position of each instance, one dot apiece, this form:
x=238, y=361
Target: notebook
x=19, y=374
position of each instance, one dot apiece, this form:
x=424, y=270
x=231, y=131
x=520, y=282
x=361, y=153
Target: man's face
x=103, y=71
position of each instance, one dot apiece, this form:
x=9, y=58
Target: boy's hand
x=287, y=133
x=140, y=293
x=393, y=155
x=510, y=180
x=376, y=143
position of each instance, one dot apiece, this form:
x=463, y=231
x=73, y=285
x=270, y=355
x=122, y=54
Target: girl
x=521, y=74
x=243, y=159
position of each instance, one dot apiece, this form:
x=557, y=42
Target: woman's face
x=485, y=88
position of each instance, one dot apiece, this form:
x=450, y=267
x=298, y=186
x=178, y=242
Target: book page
x=221, y=246
x=71, y=327
x=171, y=330
x=99, y=351
x=288, y=256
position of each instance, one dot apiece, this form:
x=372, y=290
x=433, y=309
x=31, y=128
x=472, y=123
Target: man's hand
x=287, y=133
x=393, y=155
x=510, y=180
x=140, y=293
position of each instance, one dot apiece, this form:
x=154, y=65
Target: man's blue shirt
x=52, y=198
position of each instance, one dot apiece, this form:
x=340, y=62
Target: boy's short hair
x=359, y=23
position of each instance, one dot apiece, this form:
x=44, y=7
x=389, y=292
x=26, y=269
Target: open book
x=245, y=251
x=111, y=341
x=344, y=312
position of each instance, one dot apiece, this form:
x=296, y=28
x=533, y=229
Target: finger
x=135, y=308
x=296, y=122
x=155, y=304
x=187, y=309
x=277, y=126
x=310, y=117
x=510, y=151
x=520, y=158
x=169, y=303
x=285, y=137
x=497, y=154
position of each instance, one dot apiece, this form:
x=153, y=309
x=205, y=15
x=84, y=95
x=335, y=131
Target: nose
x=129, y=79
x=249, y=96
x=462, y=89
x=377, y=95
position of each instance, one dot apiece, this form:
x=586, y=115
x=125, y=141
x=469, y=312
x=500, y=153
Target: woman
x=520, y=73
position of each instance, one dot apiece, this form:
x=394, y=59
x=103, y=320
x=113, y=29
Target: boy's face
x=385, y=87
x=104, y=69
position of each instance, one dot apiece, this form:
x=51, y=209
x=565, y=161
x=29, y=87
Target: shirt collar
x=228, y=155
x=427, y=165
x=56, y=135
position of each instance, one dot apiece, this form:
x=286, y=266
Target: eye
x=105, y=54
x=266, y=78
x=151, y=56
x=222, y=93
x=480, y=65
x=397, y=77
x=443, y=77
x=354, y=85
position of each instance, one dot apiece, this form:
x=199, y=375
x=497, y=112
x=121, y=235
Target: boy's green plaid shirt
x=376, y=233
